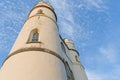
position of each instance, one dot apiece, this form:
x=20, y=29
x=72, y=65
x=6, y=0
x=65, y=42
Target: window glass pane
x=35, y=37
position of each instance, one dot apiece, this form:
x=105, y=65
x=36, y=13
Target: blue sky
x=92, y=24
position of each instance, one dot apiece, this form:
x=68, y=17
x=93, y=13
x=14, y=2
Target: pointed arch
x=40, y=11
x=34, y=36
x=63, y=47
x=77, y=59
x=69, y=72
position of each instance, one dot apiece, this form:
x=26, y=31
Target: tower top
x=44, y=3
x=46, y=7
x=41, y=0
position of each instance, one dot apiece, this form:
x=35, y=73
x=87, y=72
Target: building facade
x=40, y=53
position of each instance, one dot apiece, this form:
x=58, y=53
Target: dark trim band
x=45, y=7
x=34, y=49
x=44, y=16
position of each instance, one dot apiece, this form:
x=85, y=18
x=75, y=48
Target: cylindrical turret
x=35, y=54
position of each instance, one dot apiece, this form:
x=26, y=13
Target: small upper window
x=40, y=11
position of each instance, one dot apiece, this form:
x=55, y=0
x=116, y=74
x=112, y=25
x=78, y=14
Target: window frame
x=30, y=39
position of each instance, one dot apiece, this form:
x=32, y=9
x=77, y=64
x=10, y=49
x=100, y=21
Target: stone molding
x=45, y=7
x=34, y=49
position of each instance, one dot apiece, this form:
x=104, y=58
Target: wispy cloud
x=11, y=21
x=96, y=4
x=66, y=18
x=69, y=16
x=109, y=52
x=111, y=75
x=74, y=18
x=94, y=75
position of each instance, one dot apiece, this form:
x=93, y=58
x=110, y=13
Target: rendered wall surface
x=45, y=59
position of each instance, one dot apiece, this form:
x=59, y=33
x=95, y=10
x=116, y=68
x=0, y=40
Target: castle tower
x=40, y=53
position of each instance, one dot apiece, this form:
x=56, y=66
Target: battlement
x=69, y=43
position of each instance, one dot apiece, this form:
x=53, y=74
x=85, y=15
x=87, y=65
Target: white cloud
x=10, y=23
x=68, y=12
x=66, y=17
x=110, y=75
x=94, y=75
x=109, y=70
x=67, y=29
x=110, y=52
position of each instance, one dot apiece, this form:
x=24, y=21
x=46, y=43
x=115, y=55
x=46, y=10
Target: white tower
x=40, y=53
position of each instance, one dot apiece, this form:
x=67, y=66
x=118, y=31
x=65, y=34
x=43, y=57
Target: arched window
x=40, y=11
x=76, y=57
x=35, y=37
x=63, y=47
x=69, y=72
